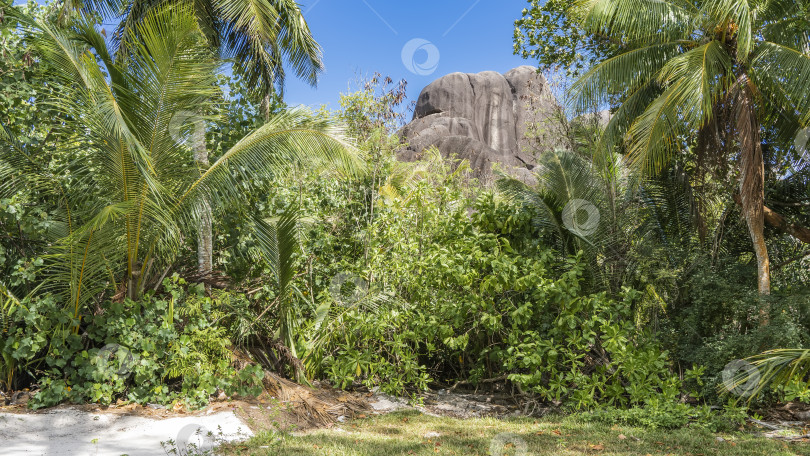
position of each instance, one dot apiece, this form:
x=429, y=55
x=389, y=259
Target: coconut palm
x=258, y=37
x=720, y=71
x=131, y=191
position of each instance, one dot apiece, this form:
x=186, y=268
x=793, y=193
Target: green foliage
x=677, y=70
x=785, y=372
x=263, y=40
x=591, y=354
x=548, y=34
x=26, y=218
x=715, y=320
x=373, y=110
x=707, y=93
x=378, y=348
x=165, y=350
x=472, y=294
x=146, y=191
x=411, y=275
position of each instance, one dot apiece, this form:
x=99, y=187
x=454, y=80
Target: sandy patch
x=73, y=431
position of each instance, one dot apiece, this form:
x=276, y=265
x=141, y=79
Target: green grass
x=404, y=434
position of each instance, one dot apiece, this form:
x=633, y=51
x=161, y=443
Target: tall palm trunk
x=752, y=181
x=205, y=236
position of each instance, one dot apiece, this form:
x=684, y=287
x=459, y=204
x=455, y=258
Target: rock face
x=484, y=118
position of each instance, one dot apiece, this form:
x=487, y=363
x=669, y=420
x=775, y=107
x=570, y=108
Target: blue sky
x=360, y=37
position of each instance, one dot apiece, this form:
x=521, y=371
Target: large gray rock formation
x=486, y=118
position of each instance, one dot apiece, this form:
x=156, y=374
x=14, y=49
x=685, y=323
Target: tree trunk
x=266, y=106
x=752, y=185
x=205, y=237
x=755, y=229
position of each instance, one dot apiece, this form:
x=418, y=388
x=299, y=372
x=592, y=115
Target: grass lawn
x=411, y=433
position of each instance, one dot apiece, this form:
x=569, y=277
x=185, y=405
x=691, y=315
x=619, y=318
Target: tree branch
x=777, y=221
x=791, y=260
x=791, y=204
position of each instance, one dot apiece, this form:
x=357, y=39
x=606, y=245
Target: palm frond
x=695, y=81
x=786, y=23
x=8, y=302
x=634, y=105
x=724, y=13
x=262, y=35
x=288, y=140
x=784, y=74
x=566, y=182
x=259, y=36
x=279, y=241
x=622, y=73
x=547, y=213
x=774, y=368
x=144, y=191
x=637, y=21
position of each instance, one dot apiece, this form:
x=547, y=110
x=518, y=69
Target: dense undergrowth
x=176, y=348
x=405, y=276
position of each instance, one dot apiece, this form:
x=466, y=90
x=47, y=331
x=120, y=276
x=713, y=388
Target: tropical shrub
x=463, y=290
x=163, y=350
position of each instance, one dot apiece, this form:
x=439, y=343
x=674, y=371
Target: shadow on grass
x=413, y=435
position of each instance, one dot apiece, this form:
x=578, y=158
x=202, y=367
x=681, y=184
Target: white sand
x=77, y=433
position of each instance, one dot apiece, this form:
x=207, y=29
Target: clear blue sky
x=367, y=36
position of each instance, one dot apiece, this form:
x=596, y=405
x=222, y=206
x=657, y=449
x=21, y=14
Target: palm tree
x=128, y=189
x=258, y=37
x=716, y=70
x=611, y=215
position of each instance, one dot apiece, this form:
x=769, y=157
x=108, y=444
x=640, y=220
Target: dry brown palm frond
x=314, y=407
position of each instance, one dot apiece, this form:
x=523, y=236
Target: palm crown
x=258, y=36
